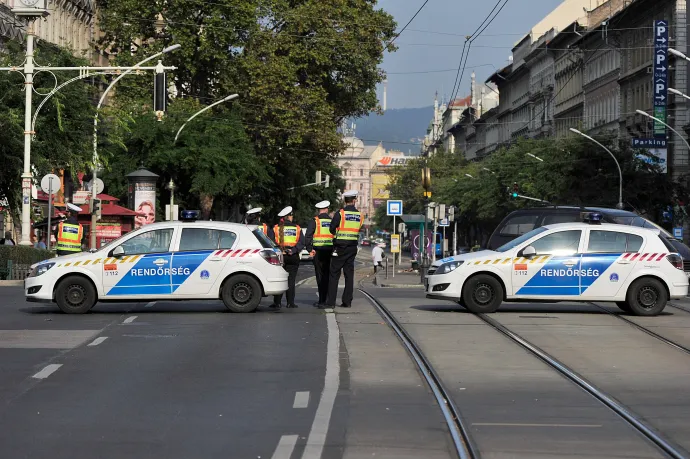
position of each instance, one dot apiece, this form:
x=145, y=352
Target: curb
x=401, y=286
x=11, y=283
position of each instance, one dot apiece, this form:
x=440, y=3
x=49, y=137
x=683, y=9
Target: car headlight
x=41, y=269
x=448, y=267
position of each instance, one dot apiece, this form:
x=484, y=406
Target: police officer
x=253, y=217
x=288, y=237
x=69, y=233
x=345, y=226
x=319, y=244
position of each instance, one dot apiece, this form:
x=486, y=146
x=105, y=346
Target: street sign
x=100, y=186
x=648, y=143
x=395, y=243
x=660, y=78
x=50, y=184
x=443, y=222
x=394, y=207
x=678, y=233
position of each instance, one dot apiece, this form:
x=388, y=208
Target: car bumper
x=678, y=291
x=444, y=286
x=275, y=287
x=37, y=290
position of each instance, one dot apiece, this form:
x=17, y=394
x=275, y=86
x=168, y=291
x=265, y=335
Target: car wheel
x=647, y=297
x=75, y=295
x=624, y=306
x=241, y=293
x=482, y=294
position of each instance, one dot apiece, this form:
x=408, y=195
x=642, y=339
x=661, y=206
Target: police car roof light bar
x=189, y=215
x=593, y=218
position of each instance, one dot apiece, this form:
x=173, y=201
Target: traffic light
x=516, y=190
x=96, y=208
x=327, y=181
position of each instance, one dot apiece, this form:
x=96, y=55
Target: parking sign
x=394, y=207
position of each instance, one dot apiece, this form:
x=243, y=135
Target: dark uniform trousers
x=345, y=261
x=322, y=267
x=291, y=266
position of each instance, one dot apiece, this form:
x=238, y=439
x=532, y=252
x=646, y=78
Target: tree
x=300, y=68
x=64, y=126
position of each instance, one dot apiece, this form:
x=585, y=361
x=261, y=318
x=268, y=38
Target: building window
x=361, y=172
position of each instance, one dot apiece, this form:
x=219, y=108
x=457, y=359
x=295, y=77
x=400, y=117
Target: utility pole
x=426, y=184
x=32, y=11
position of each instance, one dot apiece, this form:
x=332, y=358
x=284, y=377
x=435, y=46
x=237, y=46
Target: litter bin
x=415, y=265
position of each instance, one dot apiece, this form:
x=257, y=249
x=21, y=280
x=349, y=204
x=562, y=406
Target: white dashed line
x=301, y=400
x=47, y=371
x=98, y=341
x=129, y=320
x=319, y=429
x=150, y=305
x=286, y=446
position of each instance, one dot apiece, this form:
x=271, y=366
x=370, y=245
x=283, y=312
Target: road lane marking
x=285, y=447
x=304, y=281
x=301, y=400
x=150, y=305
x=129, y=320
x=319, y=429
x=98, y=341
x=47, y=371
x=517, y=424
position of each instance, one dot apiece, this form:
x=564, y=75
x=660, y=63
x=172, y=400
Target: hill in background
x=399, y=129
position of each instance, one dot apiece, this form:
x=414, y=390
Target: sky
x=433, y=43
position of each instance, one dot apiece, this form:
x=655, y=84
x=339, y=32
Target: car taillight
x=272, y=257
x=676, y=261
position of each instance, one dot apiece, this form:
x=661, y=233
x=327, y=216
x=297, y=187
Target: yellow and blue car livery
x=173, y=260
x=563, y=262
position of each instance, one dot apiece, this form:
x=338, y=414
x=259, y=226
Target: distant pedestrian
x=41, y=243
x=8, y=239
x=377, y=257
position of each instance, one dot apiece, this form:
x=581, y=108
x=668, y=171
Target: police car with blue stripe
x=633, y=267
x=179, y=260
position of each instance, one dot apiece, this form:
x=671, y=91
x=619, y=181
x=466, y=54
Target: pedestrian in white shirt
x=377, y=257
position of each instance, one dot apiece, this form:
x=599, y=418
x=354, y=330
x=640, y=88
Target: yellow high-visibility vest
x=322, y=234
x=69, y=237
x=291, y=234
x=350, y=224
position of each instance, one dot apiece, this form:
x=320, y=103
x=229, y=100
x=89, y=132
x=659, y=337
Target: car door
x=607, y=262
x=200, y=258
x=144, y=269
x=555, y=269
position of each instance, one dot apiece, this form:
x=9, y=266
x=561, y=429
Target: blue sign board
x=443, y=222
x=678, y=233
x=648, y=143
x=394, y=207
x=660, y=82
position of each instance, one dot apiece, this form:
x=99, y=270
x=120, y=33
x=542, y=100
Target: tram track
x=458, y=426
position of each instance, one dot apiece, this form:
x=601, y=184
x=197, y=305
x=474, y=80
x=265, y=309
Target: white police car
x=633, y=267
x=179, y=260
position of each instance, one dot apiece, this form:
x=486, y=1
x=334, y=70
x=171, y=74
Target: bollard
x=386, y=267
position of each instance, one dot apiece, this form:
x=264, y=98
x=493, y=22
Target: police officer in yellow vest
x=345, y=226
x=288, y=237
x=69, y=233
x=319, y=243
x=253, y=217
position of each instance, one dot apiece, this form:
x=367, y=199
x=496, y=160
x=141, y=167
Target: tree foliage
x=300, y=68
x=570, y=171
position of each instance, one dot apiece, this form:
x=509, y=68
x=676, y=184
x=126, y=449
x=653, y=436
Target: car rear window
x=265, y=242
x=519, y=225
x=667, y=243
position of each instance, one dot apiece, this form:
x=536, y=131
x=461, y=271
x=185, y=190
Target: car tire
x=241, y=293
x=624, y=306
x=75, y=295
x=647, y=297
x=482, y=294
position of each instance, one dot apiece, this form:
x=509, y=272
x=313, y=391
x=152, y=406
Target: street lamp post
x=620, y=172
x=234, y=96
x=535, y=157
x=642, y=112
x=94, y=195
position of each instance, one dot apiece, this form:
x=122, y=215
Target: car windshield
x=113, y=243
x=516, y=242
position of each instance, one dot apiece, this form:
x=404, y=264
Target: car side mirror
x=118, y=251
x=527, y=252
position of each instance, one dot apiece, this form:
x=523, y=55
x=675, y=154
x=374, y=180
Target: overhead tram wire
x=408, y=23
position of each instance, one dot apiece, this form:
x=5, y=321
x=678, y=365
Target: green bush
x=22, y=255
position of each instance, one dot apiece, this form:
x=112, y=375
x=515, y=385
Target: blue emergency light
x=593, y=218
x=189, y=215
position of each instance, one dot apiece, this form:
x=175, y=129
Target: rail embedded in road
x=465, y=447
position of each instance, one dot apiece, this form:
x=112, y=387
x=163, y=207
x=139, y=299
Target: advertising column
x=142, y=196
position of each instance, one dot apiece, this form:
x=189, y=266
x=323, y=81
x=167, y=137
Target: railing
x=14, y=271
